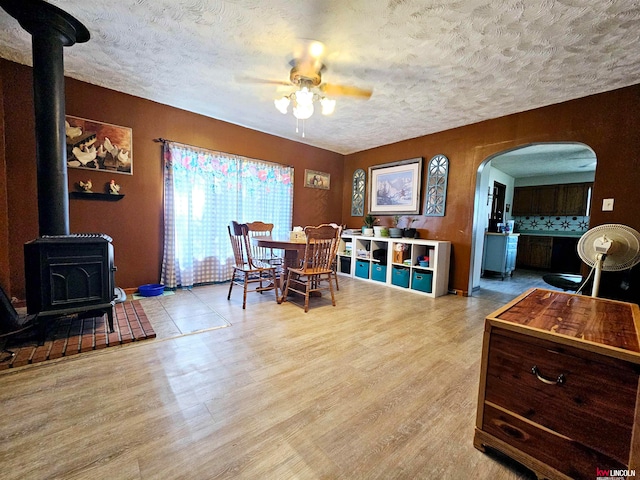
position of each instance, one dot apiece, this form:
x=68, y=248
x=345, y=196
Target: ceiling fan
x=306, y=76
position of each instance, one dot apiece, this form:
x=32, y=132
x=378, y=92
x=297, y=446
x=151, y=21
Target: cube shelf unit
x=364, y=258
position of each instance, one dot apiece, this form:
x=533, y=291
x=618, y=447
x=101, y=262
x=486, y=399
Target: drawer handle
x=557, y=381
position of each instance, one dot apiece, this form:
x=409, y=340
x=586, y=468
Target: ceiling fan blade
x=264, y=81
x=345, y=90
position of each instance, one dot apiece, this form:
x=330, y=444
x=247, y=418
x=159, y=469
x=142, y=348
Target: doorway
x=496, y=216
x=525, y=165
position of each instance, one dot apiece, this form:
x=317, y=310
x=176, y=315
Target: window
x=204, y=191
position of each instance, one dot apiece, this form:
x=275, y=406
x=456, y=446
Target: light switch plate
x=607, y=205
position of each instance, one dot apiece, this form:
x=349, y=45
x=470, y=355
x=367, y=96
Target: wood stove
x=68, y=274
x=65, y=274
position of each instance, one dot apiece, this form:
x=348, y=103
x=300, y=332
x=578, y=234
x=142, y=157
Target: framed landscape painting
x=98, y=146
x=394, y=188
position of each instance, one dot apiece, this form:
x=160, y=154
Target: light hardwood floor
x=384, y=385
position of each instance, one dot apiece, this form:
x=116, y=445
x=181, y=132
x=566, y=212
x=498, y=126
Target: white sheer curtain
x=203, y=192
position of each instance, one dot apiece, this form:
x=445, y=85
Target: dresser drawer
x=594, y=404
x=563, y=454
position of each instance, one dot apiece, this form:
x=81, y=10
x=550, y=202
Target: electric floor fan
x=610, y=248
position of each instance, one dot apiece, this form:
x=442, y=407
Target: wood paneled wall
x=136, y=222
x=606, y=122
x=5, y=272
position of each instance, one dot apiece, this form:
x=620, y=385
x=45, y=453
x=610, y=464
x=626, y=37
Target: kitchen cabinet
x=545, y=199
x=524, y=252
x=534, y=252
x=551, y=200
x=499, y=253
x=534, y=200
x=555, y=253
x=522, y=200
x=564, y=255
x=572, y=199
x=559, y=384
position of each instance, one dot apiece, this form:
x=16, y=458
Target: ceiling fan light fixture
x=328, y=105
x=282, y=104
x=305, y=77
x=303, y=111
x=303, y=97
x=303, y=103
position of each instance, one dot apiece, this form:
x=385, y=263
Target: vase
x=367, y=232
x=409, y=233
x=380, y=231
x=395, y=232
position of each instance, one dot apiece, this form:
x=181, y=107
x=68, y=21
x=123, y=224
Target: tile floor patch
x=186, y=312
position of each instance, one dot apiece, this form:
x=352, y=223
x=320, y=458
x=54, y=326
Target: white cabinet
x=499, y=254
x=397, y=262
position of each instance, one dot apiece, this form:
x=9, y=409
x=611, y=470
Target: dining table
x=293, y=252
x=293, y=249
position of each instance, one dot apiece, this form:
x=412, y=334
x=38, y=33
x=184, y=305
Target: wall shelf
x=110, y=197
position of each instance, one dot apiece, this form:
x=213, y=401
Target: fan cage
x=625, y=250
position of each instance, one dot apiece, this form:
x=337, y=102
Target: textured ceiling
x=546, y=159
x=432, y=65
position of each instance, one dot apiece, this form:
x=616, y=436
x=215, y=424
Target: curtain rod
x=164, y=140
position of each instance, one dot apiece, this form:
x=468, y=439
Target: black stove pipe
x=51, y=29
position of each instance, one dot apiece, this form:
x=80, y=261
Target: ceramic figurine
x=85, y=186
x=114, y=188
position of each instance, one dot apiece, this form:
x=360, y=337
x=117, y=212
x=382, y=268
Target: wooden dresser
x=559, y=385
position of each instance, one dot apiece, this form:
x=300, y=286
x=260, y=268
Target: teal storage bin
x=400, y=276
x=379, y=272
x=362, y=269
x=422, y=281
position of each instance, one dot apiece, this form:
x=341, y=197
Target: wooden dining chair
x=334, y=264
x=246, y=270
x=257, y=229
x=316, y=266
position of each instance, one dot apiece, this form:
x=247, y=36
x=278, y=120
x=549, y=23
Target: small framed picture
x=313, y=179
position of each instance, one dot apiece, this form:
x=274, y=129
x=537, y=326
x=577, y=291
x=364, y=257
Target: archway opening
x=547, y=171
